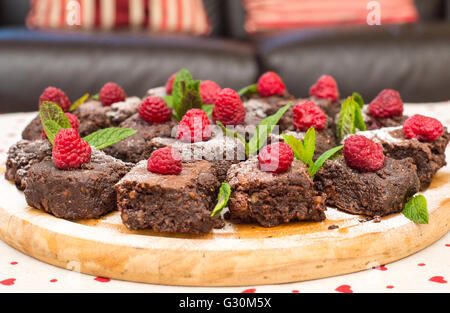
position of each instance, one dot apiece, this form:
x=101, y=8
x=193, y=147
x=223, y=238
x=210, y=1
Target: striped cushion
x=168, y=16
x=270, y=15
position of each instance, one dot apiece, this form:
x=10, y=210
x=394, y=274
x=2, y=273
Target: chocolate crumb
x=332, y=227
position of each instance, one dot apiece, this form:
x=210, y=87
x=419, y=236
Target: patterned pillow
x=272, y=15
x=166, y=16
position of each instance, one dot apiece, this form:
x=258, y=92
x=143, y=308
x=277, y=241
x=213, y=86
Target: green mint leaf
x=231, y=133
x=185, y=93
x=169, y=101
x=264, y=128
x=208, y=108
x=51, y=128
x=50, y=111
x=222, y=199
x=359, y=99
x=309, y=142
x=297, y=147
x=312, y=170
x=416, y=210
x=346, y=120
x=359, y=119
x=78, y=102
x=96, y=97
x=251, y=89
x=108, y=136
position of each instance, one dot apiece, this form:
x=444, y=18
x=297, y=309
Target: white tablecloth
x=425, y=271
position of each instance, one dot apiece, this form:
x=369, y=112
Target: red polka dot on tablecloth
x=344, y=289
x=8, y=282
x=389, y=287
x=381, y=268
x=14, y=263
x=295, y=291
x=102, y=279
x=421, y=264
x=447, y=244
x=438, y=279
x=53, y=280
x=251, y=290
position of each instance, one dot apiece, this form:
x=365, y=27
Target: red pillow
x=272, y=15
x=168, y=16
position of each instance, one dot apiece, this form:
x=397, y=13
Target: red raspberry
x=169, y=83
x=275, y=158
x=57, y=96
x=363, y=154
x=307, y=114
x=69, y=150
x=228, y=108
x=423, y=128
x=388, y=103
x=270, y=84
x=111, y=93
x=194, y=126
x=325, y=88
x=73, y=120
x=209, y=91
x=154, y=110
x=166, y=161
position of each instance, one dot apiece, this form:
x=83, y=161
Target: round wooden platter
x=233, y=256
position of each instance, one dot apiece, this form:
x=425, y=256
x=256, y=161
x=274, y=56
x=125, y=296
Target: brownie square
x=222, y=151
x=428, y=157
x=87, y=192
x=370, y=193
x=169, y=203
x=272, y=199
x=92, y=116
x=380, y=122
x=138, y=147
x=22, y=155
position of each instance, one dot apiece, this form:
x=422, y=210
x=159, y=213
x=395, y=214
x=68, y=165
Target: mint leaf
x=251, y=89
x=96, y=97
x=108, y=136
x=359, y=99
x=231, y=133
x=359, y=119
x=222, y=199
x=416, y=210
x=208, y=108
x=312, y=170
x=169, y=101
x=309, y=142
x=185, y=93
x=78, y=102
x=264, y=128
x=50, y=111
x=297, y=148
x=346, y=121
x=51, y=128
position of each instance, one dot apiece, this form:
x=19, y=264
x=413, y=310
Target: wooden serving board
x=235, y=255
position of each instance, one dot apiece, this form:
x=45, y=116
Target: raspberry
x=363, y=154
x=209, y=91
x=325, y=88
x=73, y=120
x=69, y=150
x=228, y=108
x=307, y=114
x=275, y=158
x=154, y=110
x=111, y=93
x=194, y=126
x=165, y=161
x=57, y=96
x=388, y=103
x=169, y=83
x=423, y=128
x=270, y=84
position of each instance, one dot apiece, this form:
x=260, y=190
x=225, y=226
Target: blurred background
x=78, y=45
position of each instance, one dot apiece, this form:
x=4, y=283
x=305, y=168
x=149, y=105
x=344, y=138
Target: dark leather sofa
x=414, y=59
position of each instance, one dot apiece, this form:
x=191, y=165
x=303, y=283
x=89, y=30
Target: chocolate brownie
x=169, y=203
x=428, y=157
x=22, y=155
x=379, y=122
x=87, y=192
x=378, y=193
x=221, y=150
x=92, y=116
x=329, y=107
x=137, y=147
x=272, y=199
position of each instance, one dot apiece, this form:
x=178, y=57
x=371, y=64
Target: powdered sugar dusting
x=380, y=135
x=122, y=110
x=157, y=92
x=255, y=111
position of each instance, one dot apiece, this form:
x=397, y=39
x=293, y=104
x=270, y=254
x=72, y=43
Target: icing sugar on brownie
x=157, y=92
x=120, y=111
x=384, y=134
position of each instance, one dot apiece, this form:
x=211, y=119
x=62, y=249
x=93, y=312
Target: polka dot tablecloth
x=426, y=271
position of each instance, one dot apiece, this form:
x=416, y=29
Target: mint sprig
x=50, y=111
x=96, y=97
x=78, y=102
x=263, y=130
x=350, y=118
x=304, y=151
x=185, y=93
x=416, y=209
x=359, y=99
x=208, y=108
x=108, y=136
x=251, y=89
x=222, y=199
